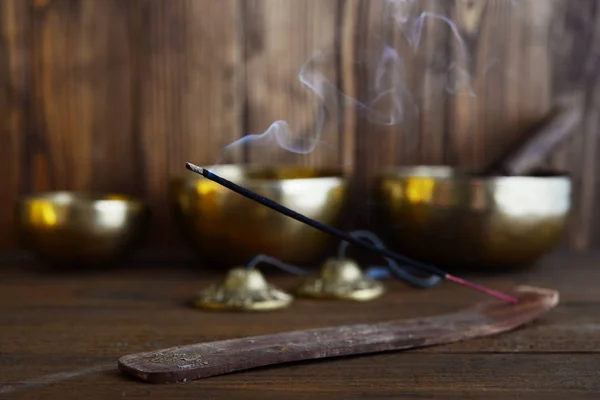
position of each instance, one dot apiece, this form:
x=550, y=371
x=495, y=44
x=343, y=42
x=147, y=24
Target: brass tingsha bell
x=243, y=289
x=341, y=279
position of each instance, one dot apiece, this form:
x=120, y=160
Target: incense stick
x=343, y=235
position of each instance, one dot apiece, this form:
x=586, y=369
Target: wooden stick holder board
x=202, y=360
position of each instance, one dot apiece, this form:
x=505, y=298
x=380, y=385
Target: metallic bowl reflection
x=80, y=228
x=230, y=229
x=456, y=220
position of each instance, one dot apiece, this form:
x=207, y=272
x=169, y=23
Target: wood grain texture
x=434, y=376
x=109, y=95
x=89, y=320
x=292, y=75
x=83, y=137
x=63, y=58
x=15, y=102
x=346, y=37
x=188, y=85
x=575, y=35
x=504, y=72
x=433, y=59
x=386, y=132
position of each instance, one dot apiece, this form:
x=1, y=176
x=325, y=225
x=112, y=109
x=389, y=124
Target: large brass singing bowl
x=66, y=228
x=228, y=228
x=445, y=217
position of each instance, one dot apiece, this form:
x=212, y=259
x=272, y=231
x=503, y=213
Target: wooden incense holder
x=186, y=363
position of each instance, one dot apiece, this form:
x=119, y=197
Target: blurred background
x=115, y=95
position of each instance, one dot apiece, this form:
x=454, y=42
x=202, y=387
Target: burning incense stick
x=342, y=235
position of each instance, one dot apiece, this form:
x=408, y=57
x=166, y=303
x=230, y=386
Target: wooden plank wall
x=116, y=95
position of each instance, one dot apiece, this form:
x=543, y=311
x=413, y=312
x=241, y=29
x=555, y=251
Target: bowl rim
x=467, y=175
x=83, y=197
x=337, y=174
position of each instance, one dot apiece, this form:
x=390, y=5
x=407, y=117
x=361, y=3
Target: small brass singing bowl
x=229, y=229
x=75, y=229
x=457, y=220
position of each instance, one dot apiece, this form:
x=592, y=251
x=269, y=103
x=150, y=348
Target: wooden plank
x=432, y=91
x=572, y=327
x=91, y=319
x=108, y=95
x=575, y=36
x=509, y=71
x=444, y=376
x=126, y=293
x=83, y=137
x=134, y=306
x=346, y=36
x=60, y=151
x=118, y=93
x=188, y=76
x=386, y=113
x=416, y=35
x=578, y=36
x=285, y=43
x=19, y=377
x=574, y=276
x=14, y=104
x=587, y=213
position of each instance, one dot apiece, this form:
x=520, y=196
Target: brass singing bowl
x=458, y=220
x=72, y=228
x=228, y=228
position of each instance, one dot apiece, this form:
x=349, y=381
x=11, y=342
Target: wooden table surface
x=61, y=335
